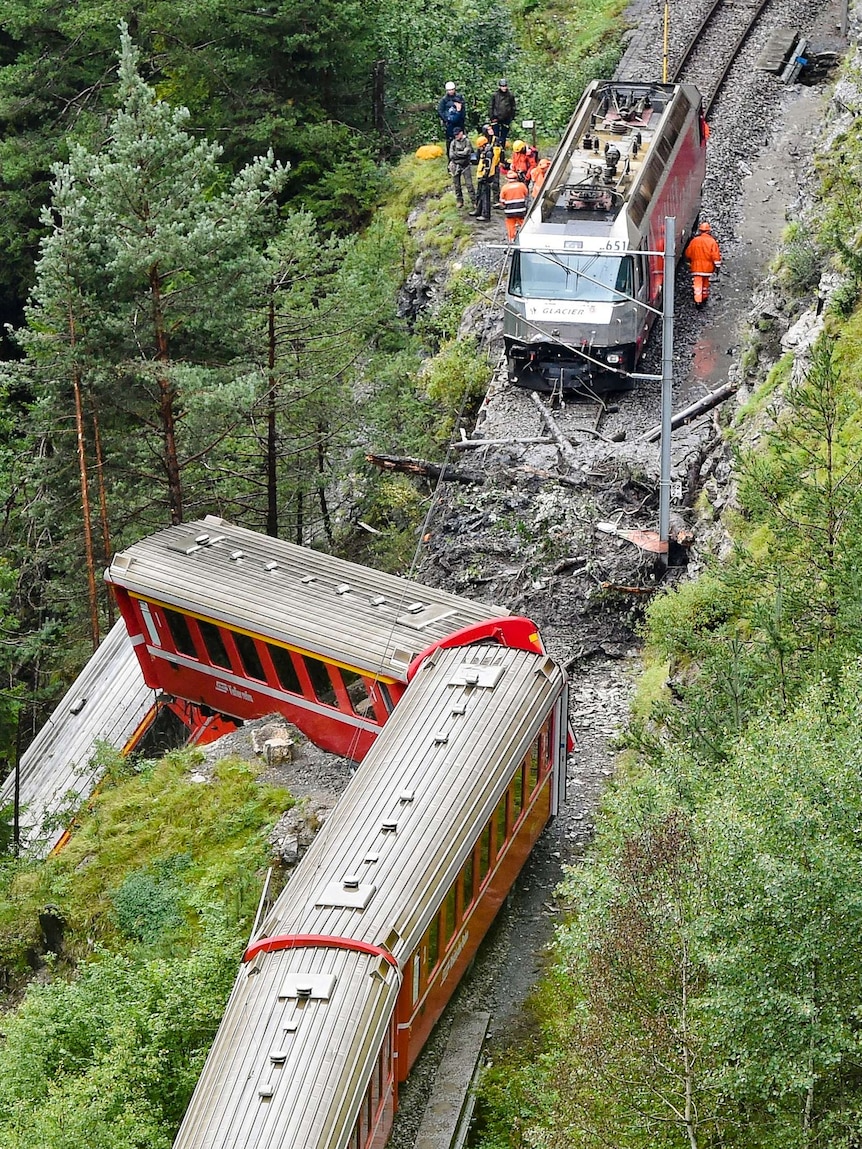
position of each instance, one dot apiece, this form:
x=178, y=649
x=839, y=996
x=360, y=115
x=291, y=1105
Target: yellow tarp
x=429, y=152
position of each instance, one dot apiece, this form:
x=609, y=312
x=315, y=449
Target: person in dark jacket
x=452, y=111
x=489, y=131
x=502, y=110
x=460, y=159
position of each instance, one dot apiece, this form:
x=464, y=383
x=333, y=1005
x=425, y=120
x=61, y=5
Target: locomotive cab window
x=561, y=276
x=180, y=633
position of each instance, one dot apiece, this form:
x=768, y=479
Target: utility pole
x=666, y=380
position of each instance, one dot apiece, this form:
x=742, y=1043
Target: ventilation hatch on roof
x=348, y=894
x=184, y=544
x=402, y=658
x=473, y=674
x=419, y=616
x=307, y=986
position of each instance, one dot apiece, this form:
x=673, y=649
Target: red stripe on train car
x=320, y=941
x=515, y=631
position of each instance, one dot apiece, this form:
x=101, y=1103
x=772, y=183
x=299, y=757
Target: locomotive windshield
x=565, y=275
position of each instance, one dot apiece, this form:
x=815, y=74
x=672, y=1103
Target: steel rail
x=718, y=5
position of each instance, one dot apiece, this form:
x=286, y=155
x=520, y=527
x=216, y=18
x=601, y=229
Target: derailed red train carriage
x=359, y=955
x=350, y=970
x=237, y=625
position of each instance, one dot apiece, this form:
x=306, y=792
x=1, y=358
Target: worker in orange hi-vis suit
x=513, y=197
x=704, y=259
x=537, y=176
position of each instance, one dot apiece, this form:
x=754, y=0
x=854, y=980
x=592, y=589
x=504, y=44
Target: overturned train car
x=585, y=282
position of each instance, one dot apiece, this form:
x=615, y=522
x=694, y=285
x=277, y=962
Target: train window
x=432, y=945
x=517, y=793
x=284, y=668
x=485, y=854
x=500, y=822
x=214, y=643
x=320, y=681
x=375, y=1086
x=386, y=1056
x=180, y=633
x=570, y=276
x=357, y=692
x=467, y=884
x=449, y=915
x=544, y=748
x=533, y=768
x=249, y=656
x=385, y=695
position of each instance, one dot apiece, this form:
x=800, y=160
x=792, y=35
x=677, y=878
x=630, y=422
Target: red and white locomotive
x=587, y=271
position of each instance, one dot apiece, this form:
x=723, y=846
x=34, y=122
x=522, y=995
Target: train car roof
x=375, y=873
x=583, y=204
x=348, y=613
x=59, y=770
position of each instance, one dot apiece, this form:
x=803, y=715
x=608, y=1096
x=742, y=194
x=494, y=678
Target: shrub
x=682, y=622
x=799, y=264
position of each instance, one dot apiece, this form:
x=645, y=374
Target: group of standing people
x=524, y=175
x=524, y=172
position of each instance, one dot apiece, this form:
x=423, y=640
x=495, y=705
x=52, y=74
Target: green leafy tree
x=803, y=486
x=257, y=76
x=784, y=971
x=630, y=1061
x=111, y=1057
x=328, y=303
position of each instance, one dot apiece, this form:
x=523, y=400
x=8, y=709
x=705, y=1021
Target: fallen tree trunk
x=469, y=444
x=425, y=470
x=699, y=408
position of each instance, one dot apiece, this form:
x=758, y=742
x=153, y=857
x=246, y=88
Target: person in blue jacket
x=452, y=111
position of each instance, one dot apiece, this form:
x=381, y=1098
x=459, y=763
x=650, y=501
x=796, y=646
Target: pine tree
x=164, y=253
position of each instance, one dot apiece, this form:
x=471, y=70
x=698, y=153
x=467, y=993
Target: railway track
x=715, y=45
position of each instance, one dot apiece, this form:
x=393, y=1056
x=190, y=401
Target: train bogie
x=586, y=277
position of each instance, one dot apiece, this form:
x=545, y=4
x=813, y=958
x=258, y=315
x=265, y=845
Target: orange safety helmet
x=513, y=175
x=704, y=227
